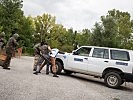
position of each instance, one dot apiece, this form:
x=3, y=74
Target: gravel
x=20, y=83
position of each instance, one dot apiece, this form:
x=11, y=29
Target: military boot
x=55, y=75
x=6, y=68
x=36, y=73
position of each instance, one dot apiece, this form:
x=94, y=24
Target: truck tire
x=68, y=72
x=58, y=68
x=112, y=80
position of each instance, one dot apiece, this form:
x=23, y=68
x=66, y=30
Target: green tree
x=114, y=30
x=109, y=31
x=1, y=28
x=83, y=38
x=97, y=35
x=10, y=15
x=69, y=36
x=124, y=27
x=26, y=31
x=43, y=25
x=57, y=36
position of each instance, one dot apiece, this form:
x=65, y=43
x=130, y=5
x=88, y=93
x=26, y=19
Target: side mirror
x=74, y=52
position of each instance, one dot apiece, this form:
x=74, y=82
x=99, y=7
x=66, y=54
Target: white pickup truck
x=114, y=65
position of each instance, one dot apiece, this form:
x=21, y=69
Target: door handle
x=86, y=58
x=106, y=61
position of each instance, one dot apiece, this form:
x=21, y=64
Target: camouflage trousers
x=42, y=61
x=6, y=63
x=47, y=63
x=35, y=62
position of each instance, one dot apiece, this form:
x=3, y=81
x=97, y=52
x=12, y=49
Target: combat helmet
x=2, y=34
x=15, y=36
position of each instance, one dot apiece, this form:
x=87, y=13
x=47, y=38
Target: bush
x=66, y=48
x=28, y=51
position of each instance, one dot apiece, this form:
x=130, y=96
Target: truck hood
x=59, y=55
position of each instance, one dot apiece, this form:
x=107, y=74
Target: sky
x=76, y=14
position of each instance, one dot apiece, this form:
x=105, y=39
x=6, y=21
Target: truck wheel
x=58, y=68
x=68, y=72
x=112, y=80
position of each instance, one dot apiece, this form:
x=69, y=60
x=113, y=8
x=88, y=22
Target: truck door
x=121, y=60
x=78, y=61
x=98, y=61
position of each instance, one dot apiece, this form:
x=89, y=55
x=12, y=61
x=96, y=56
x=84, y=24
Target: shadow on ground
x=97, y=81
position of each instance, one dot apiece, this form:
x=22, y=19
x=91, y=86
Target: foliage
x=123, y=23
x=43, y=26
x=114, y=30
x=97, y=37
x=83, y=38
x=10, y=15
x=26, y=30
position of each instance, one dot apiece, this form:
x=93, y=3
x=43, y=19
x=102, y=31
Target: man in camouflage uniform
x=36, y=54
x=2, y=49
x=45, y=50
x=2, y=43
x=11, y=44
x=44, y=56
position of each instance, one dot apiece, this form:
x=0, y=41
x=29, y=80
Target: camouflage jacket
x=12, y=43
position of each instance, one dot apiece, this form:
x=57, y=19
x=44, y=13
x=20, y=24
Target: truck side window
x=119, y=55
x=101, y=53
x=84, y=51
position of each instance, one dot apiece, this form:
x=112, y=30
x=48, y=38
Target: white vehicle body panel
x=93, y=65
